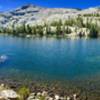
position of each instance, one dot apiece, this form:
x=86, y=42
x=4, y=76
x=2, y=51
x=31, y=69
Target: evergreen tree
x=39, y=30
x=28, y=29
x=34, y=32
x=68, y=30
x=48, y=30
x=94, y=31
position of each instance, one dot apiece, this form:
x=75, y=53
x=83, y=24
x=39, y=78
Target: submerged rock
x=3, y=58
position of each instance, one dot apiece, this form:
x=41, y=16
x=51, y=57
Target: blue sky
x=6, y=5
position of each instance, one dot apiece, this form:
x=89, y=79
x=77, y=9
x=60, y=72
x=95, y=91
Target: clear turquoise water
x=50, y=58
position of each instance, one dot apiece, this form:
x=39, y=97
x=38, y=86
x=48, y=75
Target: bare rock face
x=32, y=14
x=8, y=94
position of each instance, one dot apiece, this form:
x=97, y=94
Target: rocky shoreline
x=44, y=91
x=14, y=90
x=25, y=93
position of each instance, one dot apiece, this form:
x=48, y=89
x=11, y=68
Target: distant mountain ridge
x=32, y=14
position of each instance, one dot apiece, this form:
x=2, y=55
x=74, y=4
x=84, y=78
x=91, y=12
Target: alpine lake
x=68, y=62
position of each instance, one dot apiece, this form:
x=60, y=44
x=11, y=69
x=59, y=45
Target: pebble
x=50, y=98
x=31, y=96
x=44, y=93
x=68, y=98
x=57, y=97
x=38, y=94
x=74, y=96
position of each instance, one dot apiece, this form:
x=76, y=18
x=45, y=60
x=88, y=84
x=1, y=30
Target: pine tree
x=93, y=31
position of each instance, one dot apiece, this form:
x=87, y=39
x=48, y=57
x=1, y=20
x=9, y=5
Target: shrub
x=23, y=92
x=79, y=22
x=69, y=22
x=56, y=23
